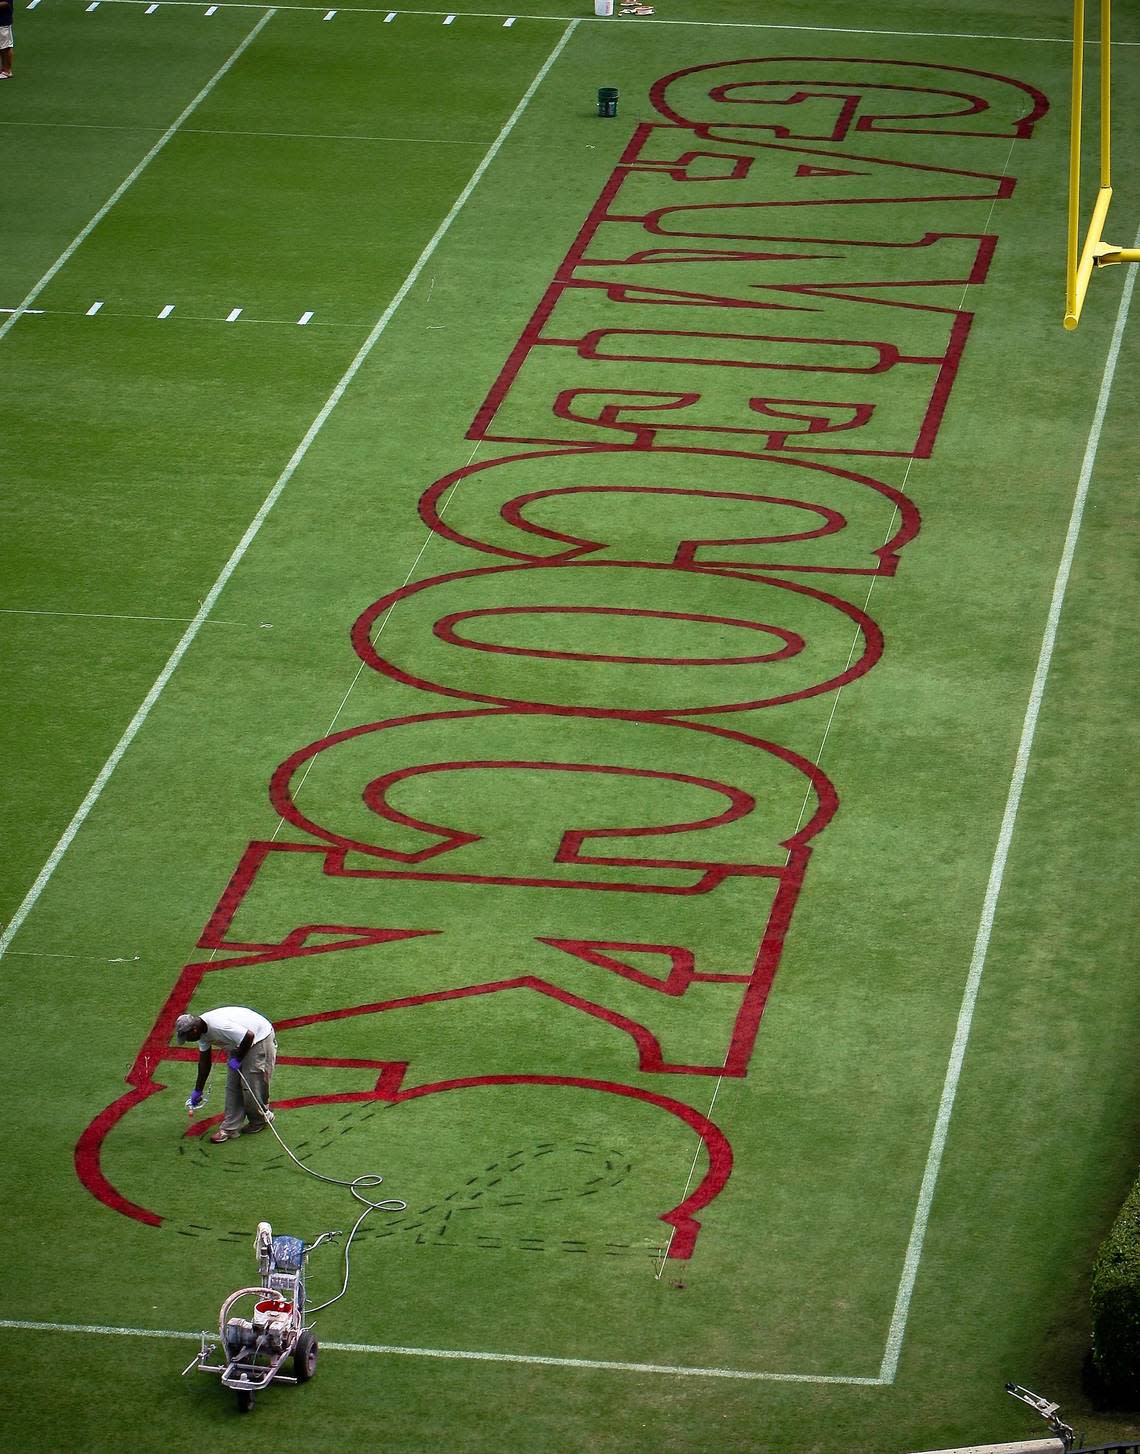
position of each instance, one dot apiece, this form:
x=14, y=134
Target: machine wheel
x=305, y=1356
x=245, y=1400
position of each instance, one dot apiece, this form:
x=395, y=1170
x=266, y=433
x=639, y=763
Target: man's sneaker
x=251, y=1128
x=219, y=1136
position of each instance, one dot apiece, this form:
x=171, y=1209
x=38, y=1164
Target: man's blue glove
x=234, y=1063
x=195, y=1099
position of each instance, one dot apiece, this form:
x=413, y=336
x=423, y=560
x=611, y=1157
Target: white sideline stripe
x=26, y=310
x=1001, y=851
x=166, y=311
x=608, y=1364
x=133, y=176
x=233, y=315
x=1064, y=40
x=305, y=317
x=91, y=312
x=866, y=30
x=144, y=710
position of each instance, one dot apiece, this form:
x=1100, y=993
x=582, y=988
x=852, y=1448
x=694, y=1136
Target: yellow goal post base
x=1096, y=253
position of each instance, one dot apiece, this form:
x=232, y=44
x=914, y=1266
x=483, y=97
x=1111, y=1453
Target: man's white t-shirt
x=227, y=1028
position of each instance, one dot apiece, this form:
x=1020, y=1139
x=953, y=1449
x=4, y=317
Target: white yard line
x=144, y=710
x=857, y=30
x=478, y=1356
x=1001, y=851
x=129, y=181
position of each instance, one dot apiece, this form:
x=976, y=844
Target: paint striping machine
x=257, y=1346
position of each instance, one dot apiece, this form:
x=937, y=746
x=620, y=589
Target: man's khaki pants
x=249, y=1099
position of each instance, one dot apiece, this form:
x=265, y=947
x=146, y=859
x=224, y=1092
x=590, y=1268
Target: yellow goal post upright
x=1096, y=252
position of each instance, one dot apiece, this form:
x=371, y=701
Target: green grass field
x=616, y=634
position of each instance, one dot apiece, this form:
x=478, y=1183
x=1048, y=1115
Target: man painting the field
x=251, y=1053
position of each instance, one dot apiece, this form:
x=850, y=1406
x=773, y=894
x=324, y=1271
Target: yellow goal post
x=1096, y=253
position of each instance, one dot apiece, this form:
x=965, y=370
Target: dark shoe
x=251, y=1128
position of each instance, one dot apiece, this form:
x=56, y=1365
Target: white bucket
x=603, y=7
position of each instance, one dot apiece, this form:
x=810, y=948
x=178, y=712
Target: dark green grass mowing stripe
x=58, y=215
x=183, y=384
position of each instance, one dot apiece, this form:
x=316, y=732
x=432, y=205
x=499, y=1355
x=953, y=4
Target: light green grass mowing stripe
x=1001, y=852
x=96, y=790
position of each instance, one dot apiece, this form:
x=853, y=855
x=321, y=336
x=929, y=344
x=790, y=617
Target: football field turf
x=617, y=635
